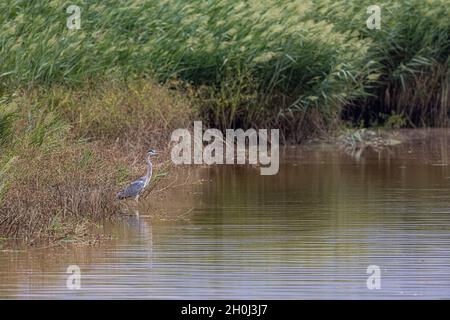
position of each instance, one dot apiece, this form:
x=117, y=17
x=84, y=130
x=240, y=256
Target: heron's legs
x=136, y=211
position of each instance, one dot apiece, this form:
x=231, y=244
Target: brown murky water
x=309, y=232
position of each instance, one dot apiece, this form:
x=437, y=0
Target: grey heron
x=134, y=189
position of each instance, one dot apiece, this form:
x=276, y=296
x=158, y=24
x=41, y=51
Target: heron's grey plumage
x=134, y=189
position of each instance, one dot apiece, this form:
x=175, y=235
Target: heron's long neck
x=148, y=176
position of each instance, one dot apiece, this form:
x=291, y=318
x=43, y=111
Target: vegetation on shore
x=68, y=151
x=78, y=106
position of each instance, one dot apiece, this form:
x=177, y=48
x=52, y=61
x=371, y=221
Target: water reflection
x=309, y=232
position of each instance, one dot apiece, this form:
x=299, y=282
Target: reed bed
x=254, y=63
x=412, y=55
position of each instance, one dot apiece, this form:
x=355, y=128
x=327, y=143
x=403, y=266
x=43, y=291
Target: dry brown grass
x=54, y=195
x=425, y=100
x=93, y=141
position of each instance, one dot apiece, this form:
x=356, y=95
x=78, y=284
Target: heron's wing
x=132, y=190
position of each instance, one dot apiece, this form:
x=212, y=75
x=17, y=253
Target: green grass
x=258, y=63
x=411, y=51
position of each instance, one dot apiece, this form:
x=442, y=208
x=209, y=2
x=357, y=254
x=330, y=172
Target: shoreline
x=87, y=231
x=71, y=150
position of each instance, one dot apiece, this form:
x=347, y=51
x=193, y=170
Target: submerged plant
x=355, y=142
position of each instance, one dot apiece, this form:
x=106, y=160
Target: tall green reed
x=262, y=62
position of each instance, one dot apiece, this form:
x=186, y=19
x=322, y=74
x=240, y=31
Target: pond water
x=309, y=232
